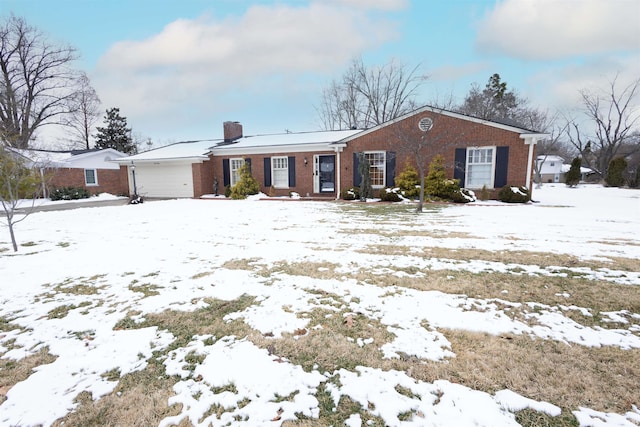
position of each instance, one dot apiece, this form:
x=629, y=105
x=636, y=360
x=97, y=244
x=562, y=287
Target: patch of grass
x=146, y=289
x=204, y=321
x=28, y=244
x=61, y=311
x=604, y=379
x=64, y=244
x=112, y=375
x=139, y=399
x=531, y=418
x=201, y=275
x=14, y=371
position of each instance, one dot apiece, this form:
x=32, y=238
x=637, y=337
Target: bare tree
x=614, y=115
x=17, y=182
x=36, y=83
x=422, y=147
x=84, y=112
x=495, y=102
x=369, y=96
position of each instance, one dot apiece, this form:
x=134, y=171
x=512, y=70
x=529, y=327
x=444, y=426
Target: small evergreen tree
x=246, y=185
x=436, y=183
x=615, y=173
x=115, y=134
x=572, y=178
x=366, y=192
x=408, y=182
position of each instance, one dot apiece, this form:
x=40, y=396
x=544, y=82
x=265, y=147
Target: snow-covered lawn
x=86, y=282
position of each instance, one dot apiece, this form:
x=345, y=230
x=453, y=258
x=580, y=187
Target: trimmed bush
x=352, y=193
x=408, y=182
x=615, y=173
x=390, y=195
x=462, y=196
x=246, y=185
x=509, y=194
x=69, y=193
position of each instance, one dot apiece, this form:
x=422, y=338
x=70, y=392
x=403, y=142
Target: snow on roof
x=549, y=158
x=51, y=158
x=179, y=150
x=565, y=169
x=249, y=143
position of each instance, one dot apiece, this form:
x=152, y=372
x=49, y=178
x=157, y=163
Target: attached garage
x=174, y=171
x=166, y=179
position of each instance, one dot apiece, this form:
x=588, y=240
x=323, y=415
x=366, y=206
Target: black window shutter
x=225, y=172
x=267, y=172
x=356, y=174
x=390, y=172
x=460, y=164
x=248, y=162
x=291, y=164
x=502, y=167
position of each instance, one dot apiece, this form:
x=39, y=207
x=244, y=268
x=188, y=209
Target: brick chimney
x=232, y=131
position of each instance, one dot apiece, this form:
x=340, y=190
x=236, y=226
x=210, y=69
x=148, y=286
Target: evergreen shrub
x=246, y=185
x=572, y=178
x=462, y=196
x=509, y=194
x=615, y=173
x=408, y=182
x=390, y=195
x=436, y=183
x=69, y=193
x=352, y=193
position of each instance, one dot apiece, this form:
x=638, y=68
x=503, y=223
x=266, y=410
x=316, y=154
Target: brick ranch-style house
x=93, y=170
x=478, y=152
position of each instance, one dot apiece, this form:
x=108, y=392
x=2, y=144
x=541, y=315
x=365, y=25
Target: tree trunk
x=421, y=198
x=13, y=236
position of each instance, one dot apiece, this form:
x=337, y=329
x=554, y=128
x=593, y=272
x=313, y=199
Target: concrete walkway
x=63, y=206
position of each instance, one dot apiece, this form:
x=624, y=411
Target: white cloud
x=206, y=63
x=550, y=29
x=372, y=4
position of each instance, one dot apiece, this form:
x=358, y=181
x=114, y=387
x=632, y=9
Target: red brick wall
x=304, y=173
x=109, y=180
x=203, y=179
x=447, y=134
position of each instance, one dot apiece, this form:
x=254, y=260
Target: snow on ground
x=71, y=284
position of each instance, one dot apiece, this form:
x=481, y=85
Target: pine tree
x=573, y=176
x=115, y=134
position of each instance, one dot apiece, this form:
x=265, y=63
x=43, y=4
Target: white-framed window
x=280, y=172
x=90, y=177
x=234, y=170
x=480, y=167
x=377, y=169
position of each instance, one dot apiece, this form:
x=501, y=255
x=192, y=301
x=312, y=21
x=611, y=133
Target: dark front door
x=325, y=174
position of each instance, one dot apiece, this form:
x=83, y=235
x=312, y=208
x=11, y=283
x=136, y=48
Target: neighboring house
x=478, y=152
x=94, y=170
x=550, y=167
x=553, y=169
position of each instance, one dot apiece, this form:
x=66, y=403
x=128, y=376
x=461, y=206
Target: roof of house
x=186, y=150
x=283, y=142
x=550, y=158
x=565, y=169
x=62, y=158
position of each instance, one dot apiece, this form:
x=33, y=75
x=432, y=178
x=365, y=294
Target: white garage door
x=164, y=180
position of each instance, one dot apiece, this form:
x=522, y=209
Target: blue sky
x=178, y=69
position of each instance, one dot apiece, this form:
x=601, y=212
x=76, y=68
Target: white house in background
x=550, y=167
x=94, y=170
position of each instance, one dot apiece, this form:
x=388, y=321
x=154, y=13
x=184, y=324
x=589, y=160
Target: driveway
x=62, y=206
